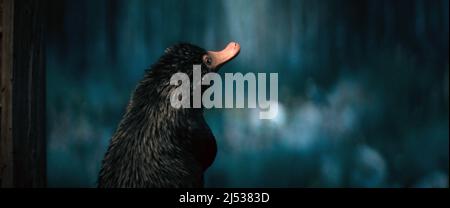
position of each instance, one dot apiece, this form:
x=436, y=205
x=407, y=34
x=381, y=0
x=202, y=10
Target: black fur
x=156, y=145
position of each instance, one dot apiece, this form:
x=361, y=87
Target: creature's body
x=155, y=144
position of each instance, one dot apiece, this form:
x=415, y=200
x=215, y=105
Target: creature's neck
x=150, y=109
x=153, y=95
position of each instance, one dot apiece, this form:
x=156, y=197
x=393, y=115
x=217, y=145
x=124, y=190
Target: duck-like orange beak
x=219, y=58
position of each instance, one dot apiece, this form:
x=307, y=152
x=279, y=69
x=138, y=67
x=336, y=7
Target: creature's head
x=181, y=58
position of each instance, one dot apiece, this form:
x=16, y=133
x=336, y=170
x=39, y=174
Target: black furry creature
x=155, y=144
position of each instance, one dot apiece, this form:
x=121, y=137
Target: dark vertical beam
x=23, y=75
x=6, y=145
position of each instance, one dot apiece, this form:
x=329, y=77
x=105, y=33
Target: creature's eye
x=207, y=60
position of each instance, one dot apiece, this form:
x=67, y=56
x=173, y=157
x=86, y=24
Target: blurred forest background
x=363, y=87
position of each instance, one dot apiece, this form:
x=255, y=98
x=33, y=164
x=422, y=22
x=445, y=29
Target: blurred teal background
x=363, y=87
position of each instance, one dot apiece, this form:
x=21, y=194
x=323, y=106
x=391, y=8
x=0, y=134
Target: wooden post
x=22, y=90
x=6, y=147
